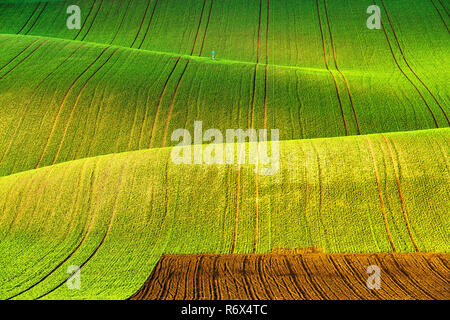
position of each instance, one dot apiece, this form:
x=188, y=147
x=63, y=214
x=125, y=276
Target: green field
x=86, y=118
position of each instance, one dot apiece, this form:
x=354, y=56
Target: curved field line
x=409, y=67
x=445, y=8
x=40, y=13
x=328, y=68
x=380, y=195
x=266, y=66
x=140, y=26
x=411, y=279
x=62, y=103
x=198, y=27
x=298, y=286
x=85, y=20
x=440, y=15
x=206, y=29
x=76, y=103
x=435, y=271
x=158, y=106
x=308, y=273
x=256, y=67
x=32, y=14
x=21, y=61
x=31, y=98
x=149, y=23
x=356, y=275
x=400, y=193
x=13, y=58
x=236, y=216
x=172, y=102
x=121, y=22
x=86, y=233
x=405, y=75
x=344, y=278
x=338, y=70
x=255, y=236
x=108, y=229
x=93, y=20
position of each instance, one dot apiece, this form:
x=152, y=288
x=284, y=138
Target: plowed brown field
x=314, y=276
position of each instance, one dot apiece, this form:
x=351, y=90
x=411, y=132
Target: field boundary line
x=338, y=70
x=121, y=22
x=25, y=58
x=380, y=194
x=236, y=216
x=440, y=15
x=31, y=16
x=445, y=8
x=408, y=65
x=206, y=29
x=411, y=279
x=108, y=229
x=158, y=106
x=93, y=20
x=89, y=226
x=344, y=278
x=400, y=193
x=311, y=281
x=266, y=66
x=31, y=98
x=405, y=75
x=149, y=23
x=62, y=104
x=85, y=20
x=40, y=13
x=328, y=68
x=76, y=103
x=142, y=22
x=256, y=68
x=12, y=59
x=172, y=102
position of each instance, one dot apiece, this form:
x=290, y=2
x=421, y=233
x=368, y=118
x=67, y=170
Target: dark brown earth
x=315, y=276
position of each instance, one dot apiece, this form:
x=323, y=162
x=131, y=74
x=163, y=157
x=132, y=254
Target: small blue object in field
x=213, y=55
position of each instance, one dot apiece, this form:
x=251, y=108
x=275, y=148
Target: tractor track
x=400, y=193
x=93, y=20
x=76, y=103
x=25, y=58
x=108, y=230
x=408, y=65
x=338, y=70
x=31, y=16
x=11, y=140
x=149, y=23
x=142, y=22
x=85, y=20
x=62, y=104
x=405, y=75
x=328, y=69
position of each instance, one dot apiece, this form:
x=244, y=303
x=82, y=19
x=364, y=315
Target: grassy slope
x=141, y=203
